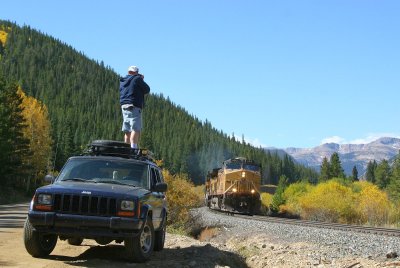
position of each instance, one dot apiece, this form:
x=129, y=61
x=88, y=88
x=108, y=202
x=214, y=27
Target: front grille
x=85, y=205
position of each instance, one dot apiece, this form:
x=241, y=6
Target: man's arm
x=143, y=85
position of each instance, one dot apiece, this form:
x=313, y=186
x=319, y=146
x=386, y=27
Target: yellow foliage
x=373, y=205
x=329, y=201
x=37, y=132
x=394, y=214
x=339, y=201
x=292, y=194
x=3, y=37
x=266, y=199
x=181, y=197
x=199, y=190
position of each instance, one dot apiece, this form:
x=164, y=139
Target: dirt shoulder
x=180, y=251
x=219, y=247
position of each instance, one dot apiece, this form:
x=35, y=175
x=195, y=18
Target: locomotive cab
x=235, y=187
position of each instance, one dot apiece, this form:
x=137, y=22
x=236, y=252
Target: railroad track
x=318, y=224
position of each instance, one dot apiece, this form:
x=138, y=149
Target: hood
x=95, y=189
x=125, y=81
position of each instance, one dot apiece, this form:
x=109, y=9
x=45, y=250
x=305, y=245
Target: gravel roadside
x=284, y=245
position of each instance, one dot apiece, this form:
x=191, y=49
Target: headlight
x=127, y=205
x=234, y=190
x=44, y=199
x=127, y=209
x=253, y=191
x=243, y=174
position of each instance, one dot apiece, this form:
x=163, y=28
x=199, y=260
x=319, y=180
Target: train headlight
x=234, y=190
x=253, y=191
x=243, y=174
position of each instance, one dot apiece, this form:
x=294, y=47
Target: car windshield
x=105, y=171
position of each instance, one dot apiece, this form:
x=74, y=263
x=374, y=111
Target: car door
x=157, y=197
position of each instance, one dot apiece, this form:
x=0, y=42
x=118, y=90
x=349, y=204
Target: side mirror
x=160, y=187
x=49, y=178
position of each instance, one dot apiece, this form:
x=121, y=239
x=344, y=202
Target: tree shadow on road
x=13, y=216
x=205, y=256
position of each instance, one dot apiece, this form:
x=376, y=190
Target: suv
x=110, y=193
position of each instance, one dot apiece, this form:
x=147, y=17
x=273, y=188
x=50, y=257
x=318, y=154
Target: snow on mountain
x=350, y=154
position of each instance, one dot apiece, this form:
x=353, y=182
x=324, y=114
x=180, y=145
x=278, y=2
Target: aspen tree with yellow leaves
x=37, y=131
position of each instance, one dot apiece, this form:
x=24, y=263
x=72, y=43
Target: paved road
x=13, y=216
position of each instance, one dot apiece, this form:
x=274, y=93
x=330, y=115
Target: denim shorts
x=132, y=119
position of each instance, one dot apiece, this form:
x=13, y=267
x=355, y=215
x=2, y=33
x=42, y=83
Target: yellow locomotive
x=235, y=187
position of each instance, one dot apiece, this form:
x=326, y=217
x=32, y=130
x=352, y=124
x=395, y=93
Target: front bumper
x=84, y=225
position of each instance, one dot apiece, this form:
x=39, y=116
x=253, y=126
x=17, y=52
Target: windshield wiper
x=80, y=179
x=113, y=182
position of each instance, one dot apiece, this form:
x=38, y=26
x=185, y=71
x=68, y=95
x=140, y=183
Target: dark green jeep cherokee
x=111, y=193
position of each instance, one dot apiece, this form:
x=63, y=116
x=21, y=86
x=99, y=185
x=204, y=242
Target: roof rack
x=118, y=149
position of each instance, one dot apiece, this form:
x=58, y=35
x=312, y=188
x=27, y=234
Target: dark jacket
x=132, y=89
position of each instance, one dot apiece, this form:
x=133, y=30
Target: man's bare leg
x=135, y=135
x=127, y=137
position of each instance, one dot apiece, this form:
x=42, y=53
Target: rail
x=325, y=225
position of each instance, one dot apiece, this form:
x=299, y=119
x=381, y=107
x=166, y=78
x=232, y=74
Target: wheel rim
x=145, y=239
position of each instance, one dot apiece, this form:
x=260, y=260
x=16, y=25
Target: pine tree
x=325, y=170
x=382, y=174
x=370, y=173
x=393, y=187
x=354, y=174
x=13, y=146
x=336, y=170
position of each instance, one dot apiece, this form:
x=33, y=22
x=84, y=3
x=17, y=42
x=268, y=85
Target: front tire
x=160, y=236
x=75, y=241
x=38, y=244
x=140, y=248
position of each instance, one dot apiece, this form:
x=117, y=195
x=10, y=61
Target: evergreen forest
x=79, y=98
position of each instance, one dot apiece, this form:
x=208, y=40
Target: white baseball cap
x=133, y=69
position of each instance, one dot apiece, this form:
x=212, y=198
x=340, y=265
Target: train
x=235, y=187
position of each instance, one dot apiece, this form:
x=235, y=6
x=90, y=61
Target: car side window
x=160, y=177
x=156, y=177
x=153, y=177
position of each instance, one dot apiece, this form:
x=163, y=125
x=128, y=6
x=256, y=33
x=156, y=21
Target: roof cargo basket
x=117, y=148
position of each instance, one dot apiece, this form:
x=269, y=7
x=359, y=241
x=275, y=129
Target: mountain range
x=350, y=154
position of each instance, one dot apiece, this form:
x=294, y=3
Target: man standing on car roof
x=132, y=89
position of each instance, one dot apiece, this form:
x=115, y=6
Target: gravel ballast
x=283, y=245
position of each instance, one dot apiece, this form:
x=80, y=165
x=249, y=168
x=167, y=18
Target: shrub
x=394, y=214
x=266, y=201
x=199, y=190
x=329, y=201
x=373, y=205
x=340, y=201
x=181, y=197
x=292, y=194
x=278, y=199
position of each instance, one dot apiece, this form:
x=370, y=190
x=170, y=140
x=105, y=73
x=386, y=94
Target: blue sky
x=281, y=73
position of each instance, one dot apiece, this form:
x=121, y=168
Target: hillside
x=350, y=154
x=81, y=95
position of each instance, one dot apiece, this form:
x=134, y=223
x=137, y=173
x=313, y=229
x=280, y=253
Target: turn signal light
x=43, y=207
x=126, y=213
